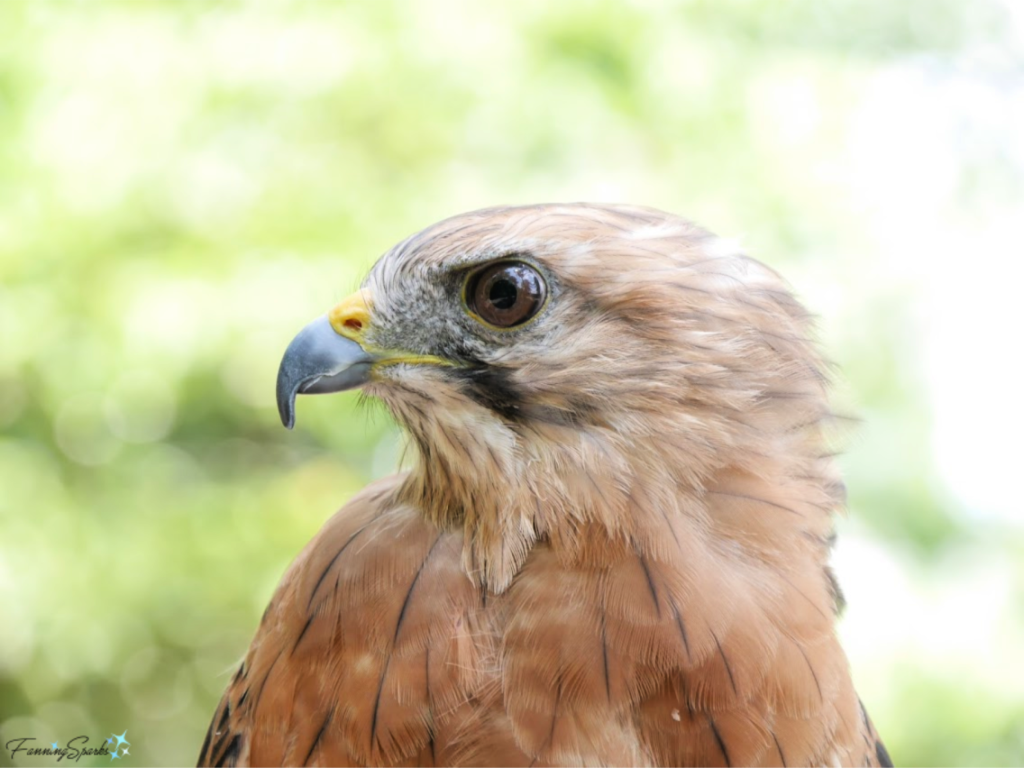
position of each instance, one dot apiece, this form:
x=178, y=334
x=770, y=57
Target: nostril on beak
x=351, y=318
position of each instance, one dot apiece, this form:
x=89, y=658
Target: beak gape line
x=318, y=361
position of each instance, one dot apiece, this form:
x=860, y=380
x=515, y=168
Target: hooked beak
x=331, y=354
x=318, y=361
x=326, y=356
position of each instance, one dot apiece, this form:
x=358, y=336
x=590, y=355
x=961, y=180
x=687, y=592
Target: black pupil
x=503, y=294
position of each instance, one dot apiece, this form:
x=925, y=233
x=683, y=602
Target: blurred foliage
x=183, y=185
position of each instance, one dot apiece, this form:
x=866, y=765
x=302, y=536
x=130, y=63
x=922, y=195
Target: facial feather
x=662, y=351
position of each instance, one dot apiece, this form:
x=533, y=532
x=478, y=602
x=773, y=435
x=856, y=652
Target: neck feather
x=589, y=492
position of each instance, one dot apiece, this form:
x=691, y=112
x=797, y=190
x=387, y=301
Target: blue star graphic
x=120, y=739
x=110, y=741
x=114, y=754
x=54, y=745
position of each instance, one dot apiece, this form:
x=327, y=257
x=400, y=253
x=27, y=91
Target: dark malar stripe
x=493, y=388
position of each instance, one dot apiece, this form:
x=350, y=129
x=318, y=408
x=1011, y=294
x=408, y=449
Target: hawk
x=613, y=546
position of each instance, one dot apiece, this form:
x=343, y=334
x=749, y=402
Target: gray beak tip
x=287, y=412
x=288, y=383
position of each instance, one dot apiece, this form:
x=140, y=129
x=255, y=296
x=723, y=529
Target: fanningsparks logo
x=77, y=748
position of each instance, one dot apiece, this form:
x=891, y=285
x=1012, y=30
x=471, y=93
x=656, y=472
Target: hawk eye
x=506, y=294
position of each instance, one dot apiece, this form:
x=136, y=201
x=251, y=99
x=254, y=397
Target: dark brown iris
x=506, y=294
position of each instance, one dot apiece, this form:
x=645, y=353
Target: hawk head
x=564, y=366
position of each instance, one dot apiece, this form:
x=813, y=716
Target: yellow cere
x=351, y=319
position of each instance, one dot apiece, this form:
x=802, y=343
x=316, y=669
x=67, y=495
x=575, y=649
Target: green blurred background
x=185, y=184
